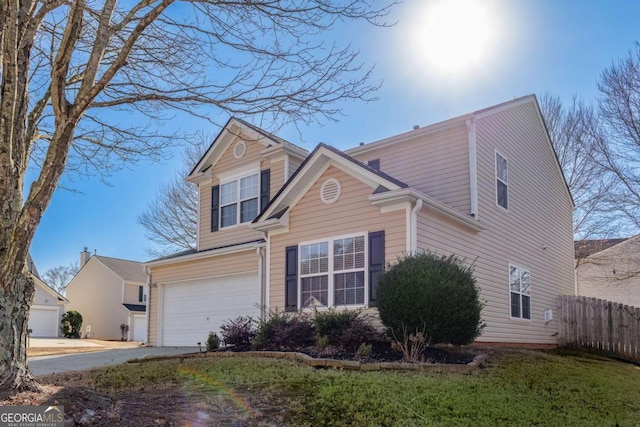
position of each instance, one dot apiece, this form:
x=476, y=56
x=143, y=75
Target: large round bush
x=433, y=294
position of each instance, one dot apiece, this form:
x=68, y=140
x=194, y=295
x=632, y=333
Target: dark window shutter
x=140, y=293
x=265, y=182
x=215, y=207
x=375, y=164
x=291, y=279
x=376, y=263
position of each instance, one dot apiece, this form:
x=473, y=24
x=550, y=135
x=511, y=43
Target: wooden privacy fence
x=599, y=324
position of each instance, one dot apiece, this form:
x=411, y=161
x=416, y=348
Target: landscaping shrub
x=343, y=328
x=213, y=341
x=239, y=332
x=71, y=323
x=281, y=331
x=432, y=295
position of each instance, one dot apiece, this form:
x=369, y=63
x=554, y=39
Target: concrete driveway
x=44, y=365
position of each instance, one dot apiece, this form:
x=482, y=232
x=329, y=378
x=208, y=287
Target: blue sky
x=555, y=46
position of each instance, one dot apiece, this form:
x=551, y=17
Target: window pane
x=501, y=168
x=514, y=280
x=304, y=267
x=359, y=260
x=348, y=253
x=229, y=215
x=515, y=305
x=248, y=210
x=526, y=307
x=323, y=249
x=525, y=282
x=313, y=258
x=503, y=194
x=249, y=187
x=228, y=193
x=314, y=291
x=349, y=288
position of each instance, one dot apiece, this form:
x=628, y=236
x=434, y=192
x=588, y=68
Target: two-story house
x=109, y=292
x=283, y=229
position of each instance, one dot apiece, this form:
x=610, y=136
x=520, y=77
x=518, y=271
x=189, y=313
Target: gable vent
x=239, y=149
x=330, y=191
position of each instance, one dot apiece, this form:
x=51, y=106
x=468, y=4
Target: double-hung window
x=520, y=292
x=502, y=181
x=239, y=200
x=333, y=272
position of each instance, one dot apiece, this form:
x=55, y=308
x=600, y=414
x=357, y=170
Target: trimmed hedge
x=433, y=294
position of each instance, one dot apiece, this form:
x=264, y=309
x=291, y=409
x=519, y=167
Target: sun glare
x=456, y=34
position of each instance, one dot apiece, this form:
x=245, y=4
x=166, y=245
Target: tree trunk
x=16, y=294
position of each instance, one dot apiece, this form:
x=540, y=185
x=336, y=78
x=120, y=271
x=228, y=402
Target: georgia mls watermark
x=31, y=416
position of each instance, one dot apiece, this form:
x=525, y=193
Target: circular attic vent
x=330, y=191
x=239, y=149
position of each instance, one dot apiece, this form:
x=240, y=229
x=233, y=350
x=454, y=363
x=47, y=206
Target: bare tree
x=171, y=219
x=73, y=72
x=618, y=141
x=59, y=277
x=571, y=130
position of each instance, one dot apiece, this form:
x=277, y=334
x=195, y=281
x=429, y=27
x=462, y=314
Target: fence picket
x=599, y=324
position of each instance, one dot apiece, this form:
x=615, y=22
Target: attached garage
x=190, y=309
x=44, y=321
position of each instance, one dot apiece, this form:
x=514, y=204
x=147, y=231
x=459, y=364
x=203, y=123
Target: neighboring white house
x=47, y=308
x=610, y=270
x=108, y=292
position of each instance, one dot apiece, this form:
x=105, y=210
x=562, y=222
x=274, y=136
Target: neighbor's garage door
x=43, y=321
x=192, y=309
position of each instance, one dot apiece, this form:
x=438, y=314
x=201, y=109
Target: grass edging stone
x=332, y=363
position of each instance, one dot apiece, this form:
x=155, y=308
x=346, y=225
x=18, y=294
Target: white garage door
x=140, y=327
x=192, y=309
x=43, y=321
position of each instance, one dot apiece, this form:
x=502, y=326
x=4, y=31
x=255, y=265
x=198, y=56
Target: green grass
x=521, y=388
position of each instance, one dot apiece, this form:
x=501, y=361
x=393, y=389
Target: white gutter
x=473, y=167
x=409, y=194
x=207, y=254
x=413, y=224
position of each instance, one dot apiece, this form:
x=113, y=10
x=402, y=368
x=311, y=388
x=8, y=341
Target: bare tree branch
x=71, y=69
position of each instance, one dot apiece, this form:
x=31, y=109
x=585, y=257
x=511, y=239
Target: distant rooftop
x=131, y=271
x=585, y=248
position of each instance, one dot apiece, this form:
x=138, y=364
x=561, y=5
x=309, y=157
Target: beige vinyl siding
x=294, y=164
x=241, y=232
x=131, y=294
x=612, y=274
x=535, y=234
x=277, y=177
x=436, y=164
x=96, y=293
x=240, y=262
x=311, y=219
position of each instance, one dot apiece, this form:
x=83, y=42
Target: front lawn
x=516, y=388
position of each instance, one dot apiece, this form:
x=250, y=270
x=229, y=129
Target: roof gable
x=235, y=129
x=48, y=289
x=310, y=170
x=129, y=271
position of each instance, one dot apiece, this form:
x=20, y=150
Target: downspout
x=473, y=168
x=414, y=225
x=147, y=270
x=261, y=275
